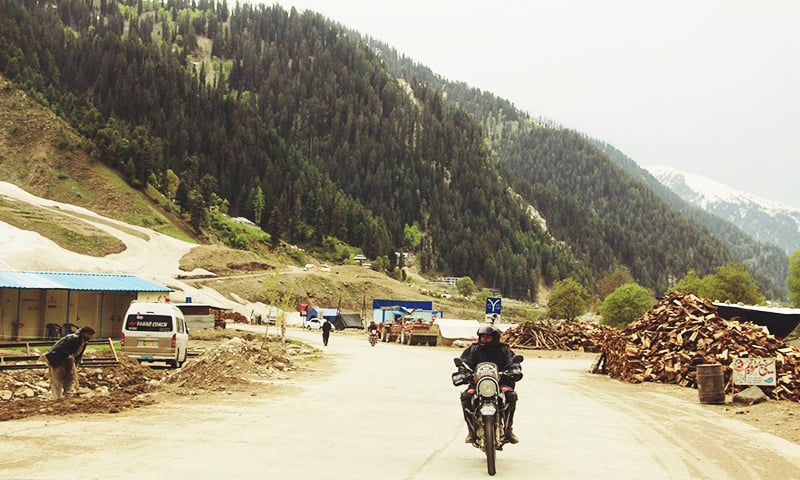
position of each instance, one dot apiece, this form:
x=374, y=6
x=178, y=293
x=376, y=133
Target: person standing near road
x=63, y=358
x=326, y=332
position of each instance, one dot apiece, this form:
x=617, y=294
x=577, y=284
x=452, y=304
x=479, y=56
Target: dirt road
x=390, y=412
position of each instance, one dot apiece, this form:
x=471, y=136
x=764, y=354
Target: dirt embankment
x=350, y=288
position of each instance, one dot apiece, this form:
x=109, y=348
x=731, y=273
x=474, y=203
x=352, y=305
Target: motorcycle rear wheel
x=488, y=443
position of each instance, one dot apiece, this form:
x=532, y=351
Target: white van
x=155, y=332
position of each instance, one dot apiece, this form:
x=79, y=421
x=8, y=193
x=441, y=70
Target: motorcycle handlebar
x=513, y=372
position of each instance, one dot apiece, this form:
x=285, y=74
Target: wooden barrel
x=711, y=383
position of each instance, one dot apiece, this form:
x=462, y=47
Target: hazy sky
x=707, y=87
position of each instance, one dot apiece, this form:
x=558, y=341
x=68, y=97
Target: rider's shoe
x=510, y=437
x=470, y=438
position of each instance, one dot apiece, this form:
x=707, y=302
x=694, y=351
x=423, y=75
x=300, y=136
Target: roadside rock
x=750, y=396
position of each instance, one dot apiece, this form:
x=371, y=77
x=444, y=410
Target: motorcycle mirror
x=518, y=358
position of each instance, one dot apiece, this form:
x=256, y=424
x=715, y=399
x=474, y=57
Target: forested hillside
x=608, y=215
x=768, y=263
x=284, y=118
x=290, y=123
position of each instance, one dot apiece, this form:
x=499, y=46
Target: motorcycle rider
x=372, y=328
x=488, y=348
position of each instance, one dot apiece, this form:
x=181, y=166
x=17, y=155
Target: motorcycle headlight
x=487, y=388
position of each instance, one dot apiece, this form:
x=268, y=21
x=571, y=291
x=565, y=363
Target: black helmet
x=489, y=330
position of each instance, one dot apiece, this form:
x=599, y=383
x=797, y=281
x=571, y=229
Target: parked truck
x=390, y=331
x=418, y=330
x=410, y=330
x=406, y=321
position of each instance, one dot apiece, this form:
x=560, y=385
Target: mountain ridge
x=765, y=220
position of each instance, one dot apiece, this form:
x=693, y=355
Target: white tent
x=451, y=329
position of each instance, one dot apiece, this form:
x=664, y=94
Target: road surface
x=390, y=412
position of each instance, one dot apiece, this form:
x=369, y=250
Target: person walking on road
x=326, y=332
x=63, y=358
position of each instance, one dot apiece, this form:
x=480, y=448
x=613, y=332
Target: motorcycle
x=373, y=337
x=489, y=410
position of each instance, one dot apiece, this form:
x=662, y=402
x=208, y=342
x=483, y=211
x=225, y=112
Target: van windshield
x=144, y=322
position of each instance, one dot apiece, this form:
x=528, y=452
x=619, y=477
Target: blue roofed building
x=46, y=305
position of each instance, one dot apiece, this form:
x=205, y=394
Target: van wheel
x=185, y=355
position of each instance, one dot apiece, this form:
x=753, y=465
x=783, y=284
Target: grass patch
x=62, y=229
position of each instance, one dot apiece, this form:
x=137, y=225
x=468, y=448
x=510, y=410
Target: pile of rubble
x=127, y=376
x=99, y=390
x=224, y=364
x=574, y=335
x=235, y=361
x=682, y=331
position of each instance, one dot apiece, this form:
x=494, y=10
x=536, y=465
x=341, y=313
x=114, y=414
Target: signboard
x=754, y=371
x=493, y=305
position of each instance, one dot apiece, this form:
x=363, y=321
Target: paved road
x=390, y=412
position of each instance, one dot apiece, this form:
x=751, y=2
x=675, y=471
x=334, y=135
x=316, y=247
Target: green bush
x=625, y=304
x=567, y=300
x=465, y=286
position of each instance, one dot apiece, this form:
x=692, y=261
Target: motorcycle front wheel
x=488, y=443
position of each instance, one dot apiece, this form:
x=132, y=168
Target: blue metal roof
x=99, y=282
x=326, y=312
x=419, y=305
x=26, y=280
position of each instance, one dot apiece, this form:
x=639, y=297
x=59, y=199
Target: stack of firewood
x=235, y=316
x=585, y=336
x=682, y=331
x=534, y=335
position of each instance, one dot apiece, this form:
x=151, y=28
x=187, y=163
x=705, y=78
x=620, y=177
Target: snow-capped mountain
x=765, y=220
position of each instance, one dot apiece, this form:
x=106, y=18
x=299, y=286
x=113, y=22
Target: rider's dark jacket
x=500, y=354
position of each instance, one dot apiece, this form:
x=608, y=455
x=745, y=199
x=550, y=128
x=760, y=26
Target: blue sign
x=493, y=305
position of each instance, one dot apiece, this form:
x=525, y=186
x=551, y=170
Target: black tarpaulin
x=779, y=321
x=348, y=320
